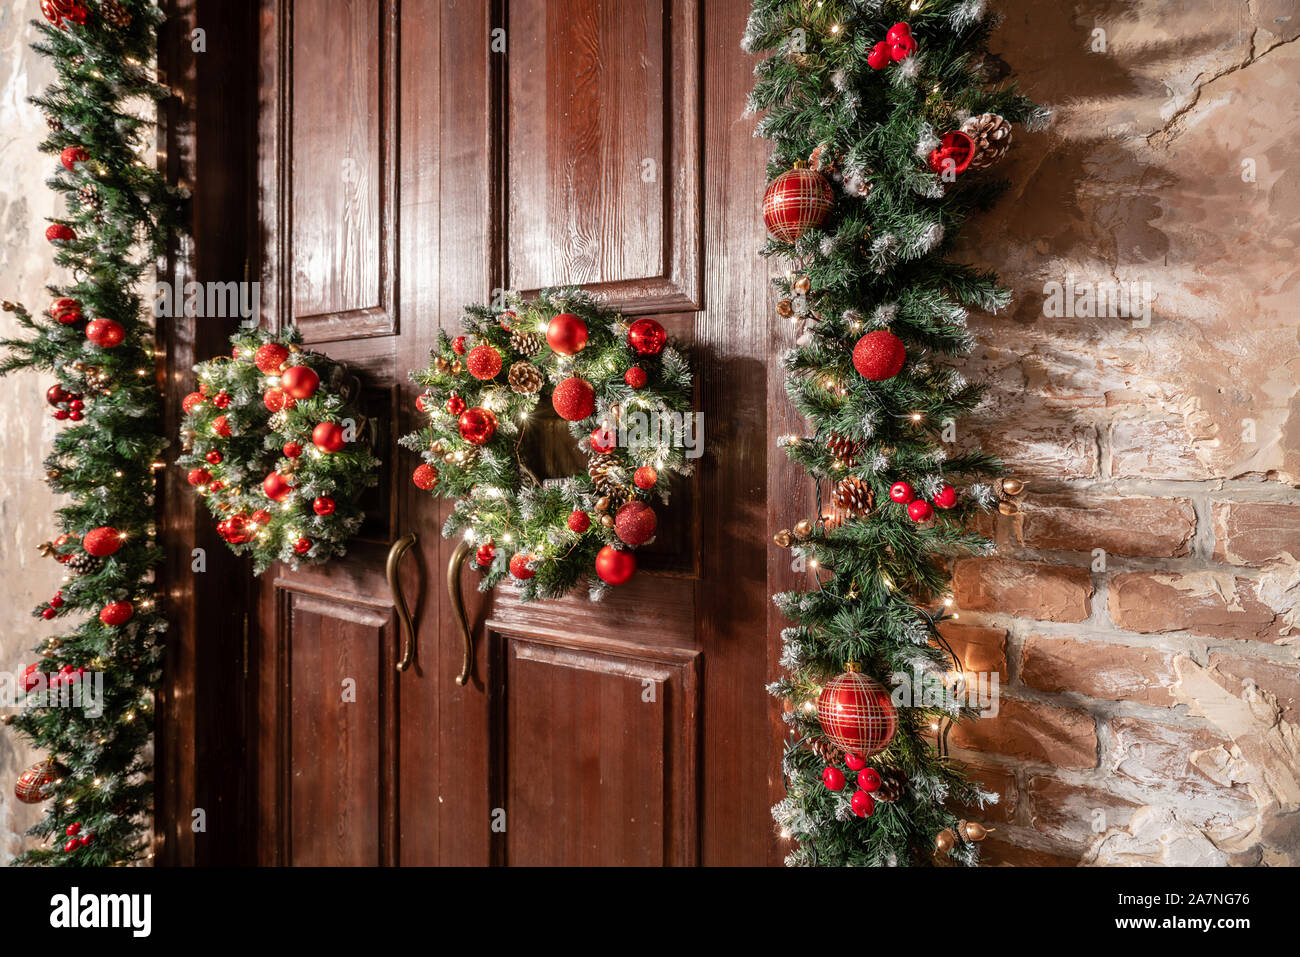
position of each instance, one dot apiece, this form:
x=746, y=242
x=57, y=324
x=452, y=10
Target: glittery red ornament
x=604, y=440
x=574, y=399
x=425, y=477
x=946, y=497
x=59, y=232
x=105, y=333
x=519, y=566
x=199, y=477
x=71, y=156
x=277, y=486
x=455, y=404
x=217, y=486
x=864, y=805
x=302, y=546
x=646, y=337
x=879, y=355
x=238, y=529
x=34, y=784
x=645, y=477
x=221, y=426
x=323, y=505
x=292, y=450
x=328, y=437
x=635, y=377
x=270, y=357
x=190, y=401
x=483, y=362
x=486, y=552
x=856, y=713
x=566, y=334
x=635, y=523
x=920, y=511
x=615, y=566
x=901, y=492
x=833, y=778
x=221, y=400
x=458, y=345
x=579, y=521
x=796, y=201
x=117, y=613
x=300, y=382
x=477, y=426
x=102, y=542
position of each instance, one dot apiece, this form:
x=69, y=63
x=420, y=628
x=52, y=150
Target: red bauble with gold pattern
x=566, y=334
x=65, y=310
x=796, y=201
x=646, y=337
x=615, y=566
x=477, y=426
x=574, y=399
x=856, y=713
x=34, y=785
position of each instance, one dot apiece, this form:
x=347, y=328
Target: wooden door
x=416, y=156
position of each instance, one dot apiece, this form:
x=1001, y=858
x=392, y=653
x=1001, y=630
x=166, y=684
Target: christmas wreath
x=625, y=392
x=273, y=442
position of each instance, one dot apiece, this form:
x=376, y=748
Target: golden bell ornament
x=803, y=530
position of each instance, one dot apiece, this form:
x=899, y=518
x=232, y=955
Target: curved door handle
x=454, y=566
x=400, y=548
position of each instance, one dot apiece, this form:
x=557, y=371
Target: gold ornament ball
x=438, y=448
x=449, y=458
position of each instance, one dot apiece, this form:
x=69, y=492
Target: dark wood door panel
x=597, y=746
x=602, y=150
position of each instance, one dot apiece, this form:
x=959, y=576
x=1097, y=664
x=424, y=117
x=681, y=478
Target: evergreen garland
x=870, y=124
x=119, y=214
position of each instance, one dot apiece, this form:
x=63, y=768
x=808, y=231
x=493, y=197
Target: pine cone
x=90, y=197
x=611, y=501
x=892, y=784
x=54, y=123
x=525, y=378
x=825, y=749
x=992, y=136
x=854, y=495
x=83, y=564
x=527, y=344
x=115, y=13
x=604, y=468
x=844, y=449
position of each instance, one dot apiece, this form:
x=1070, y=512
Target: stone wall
x=1142, y=608
x=26, y=505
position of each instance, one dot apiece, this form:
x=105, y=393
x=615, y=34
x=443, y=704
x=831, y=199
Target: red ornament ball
x=920, y=511
x=946, y=497
x=260, y=517
x=58, y=232
x=614, y=566
x=328, y=437
x=105, y=333
x=566, y=334
x=292, y=450
x=796, y=201
x=901, y=43
x=56, y=394
x=271, y=357
x=277, y=486
x=477, y=426
x=221, y=426
x=604, y=440
x=324, y=505
x=117, y=613
x=579, y=521
x=423, y=402
x=635, y=377
x=458, y=345
x=190, y=401
x=485, y=554
x=869, y=779
x=879, y=355
x=65, y=310
x=302, y=546
x=856, y=713
x=276, y=399
x=646, y=337
x=213, y=457
x=864, y=805
x=102, y=542
x=645, y=477
x=222, y=400
x=237, y=529
x=301, y=382
x=519, y=566
x=901, y=492
x=483, y=362
x=455, y=405
x=833, y=778
x=425, y=477
x=199, y=477
x=635, y=523
x=34, y=785
x=574, y=399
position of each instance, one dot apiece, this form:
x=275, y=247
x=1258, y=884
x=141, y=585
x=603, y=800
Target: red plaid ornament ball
x=856, y=713
x=796, y=201
x=34, y=785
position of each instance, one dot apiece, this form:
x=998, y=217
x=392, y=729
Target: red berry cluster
x=918, y=509
x=67, y=405
x=897, y=45
x=76, y=839
x=864, y=805
x=52, y=606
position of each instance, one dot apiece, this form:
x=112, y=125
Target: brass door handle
x=400, y=548
x=454, y=566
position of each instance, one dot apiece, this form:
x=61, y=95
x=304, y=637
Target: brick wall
x=1141, y=609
